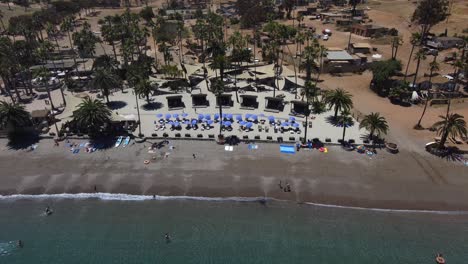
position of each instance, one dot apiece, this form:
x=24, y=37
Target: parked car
x=325, y=37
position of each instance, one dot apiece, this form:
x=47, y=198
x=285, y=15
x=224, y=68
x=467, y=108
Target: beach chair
x=437, y=139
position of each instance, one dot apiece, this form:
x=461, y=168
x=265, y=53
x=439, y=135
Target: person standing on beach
x=194, y=157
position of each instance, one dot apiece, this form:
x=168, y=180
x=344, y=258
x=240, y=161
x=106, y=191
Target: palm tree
x=434, y=67
x=338, y=99
x=375, y=124
x=420, y=55
x=310, y=92
x=452, y=125
x=344, y=120
x=13, y=115
x=144, y=88
x=415, y=40
x=92, y=116
x=105, y=80
x=217, y=88
x=45, y=74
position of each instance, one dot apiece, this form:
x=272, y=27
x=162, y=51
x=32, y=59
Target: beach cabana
x=199, y=101
x=274, y=104
x=249, y=102
x=298, y=108
x=175, y=102
x=225, y=100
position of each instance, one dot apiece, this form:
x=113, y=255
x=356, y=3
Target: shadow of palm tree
x=20, y=141
x=448, y=153
x=114, y=105
x=152, y=106
x=334, y=122
x=102, y=143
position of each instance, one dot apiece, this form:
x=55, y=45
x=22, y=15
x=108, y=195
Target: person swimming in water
x=48, y=211
x=168, y=238
x=19, y=244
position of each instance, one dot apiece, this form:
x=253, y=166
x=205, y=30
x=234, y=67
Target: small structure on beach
x=339, y=61
x=274, y=104
x=225, y=100
x=199, y=101
x=249, y=101
x=175, y=102
x=364, y=48
x=445, y=42
x=368, y=30
x=299, y=108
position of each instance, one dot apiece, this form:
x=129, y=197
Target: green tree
x=144, y=88
x=105, y=80
x=339, y=100
x=109, y=32
x=45, y=75
x=381, y=73
x=429, y=13
x=13, y=115
x=344, y=120
x=147, y=14
x=92, y=116
x=415, y=40
x=310, y=92
x=85, y=41
x=375, y=124
x=452, y=125
x=217, y=88
x=418, y=57
x=434, y=67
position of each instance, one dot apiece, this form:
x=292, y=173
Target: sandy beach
x=408, y=180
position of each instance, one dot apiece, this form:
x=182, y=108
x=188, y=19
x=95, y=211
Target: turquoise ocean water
x=99, y=231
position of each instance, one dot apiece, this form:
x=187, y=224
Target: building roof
x=40, y=113
x=339, y=56
x=448, y=38
x=361, y=45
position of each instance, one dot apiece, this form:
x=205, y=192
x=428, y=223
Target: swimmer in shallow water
x=20, y=244
x=168, y=238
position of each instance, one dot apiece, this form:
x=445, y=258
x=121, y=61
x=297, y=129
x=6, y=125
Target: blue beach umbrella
x=242, y=123
x=186, y=122
x=175, y=115
x=201, y=116
x=207, y=116
x=271, y=118
x=284, y=124
x=249, y=124
x=262, y=115
x=239, y=118
x=159, y=115
x=184, y=115
x=292, y=118
x=175, y=124
x=209, y=122
x=248, y=116
x=227, y=123
x=194, y=122
x=254, y=117
x=168, y=116
x=296, y=125
x=171, y=123
x=216, y=116
x=229, y=116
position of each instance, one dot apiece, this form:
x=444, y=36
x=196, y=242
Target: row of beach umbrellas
x=238, y=117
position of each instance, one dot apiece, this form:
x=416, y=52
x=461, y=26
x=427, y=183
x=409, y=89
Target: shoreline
x=264, y=200
x=406, y=181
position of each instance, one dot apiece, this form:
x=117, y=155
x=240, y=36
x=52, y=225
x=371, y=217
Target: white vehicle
x=325, y=37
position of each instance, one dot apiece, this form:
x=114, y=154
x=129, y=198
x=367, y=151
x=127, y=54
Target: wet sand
x=408, y=180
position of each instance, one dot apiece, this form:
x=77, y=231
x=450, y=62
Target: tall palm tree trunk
x=409, y=61
x=48, y=93
x=417, y=70
x=220, y=114
x=344, y=133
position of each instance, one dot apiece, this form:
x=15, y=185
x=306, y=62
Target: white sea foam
x=131, y=197
x=125, y=197
x=389, y=210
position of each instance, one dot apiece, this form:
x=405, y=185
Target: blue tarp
x=289, y=149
